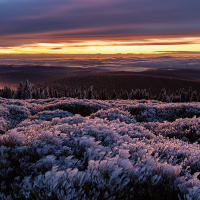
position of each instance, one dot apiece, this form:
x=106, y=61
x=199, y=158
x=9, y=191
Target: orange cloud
x=109, y=46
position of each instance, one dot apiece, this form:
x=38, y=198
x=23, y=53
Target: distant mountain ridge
x=124, y=81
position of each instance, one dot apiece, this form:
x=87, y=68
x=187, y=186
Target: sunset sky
x=104, y=26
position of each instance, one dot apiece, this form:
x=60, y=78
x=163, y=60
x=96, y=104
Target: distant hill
x=123, y=80
x=188, y=74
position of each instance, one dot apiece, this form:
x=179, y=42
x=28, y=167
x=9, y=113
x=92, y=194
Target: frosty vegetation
x=92, y=149
x=28, y=91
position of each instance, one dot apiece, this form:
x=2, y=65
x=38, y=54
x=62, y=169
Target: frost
x=82, y=149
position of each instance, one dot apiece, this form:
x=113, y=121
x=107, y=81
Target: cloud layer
x=69, y=21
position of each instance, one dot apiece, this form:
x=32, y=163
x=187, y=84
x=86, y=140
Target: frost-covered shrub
x=12, y=113
x=17, y=113
x=54, y=154
x=113, y=114
x=84, y=109
x=163, y=111
x=3, y=125
x=186, y=129
x=49, y=115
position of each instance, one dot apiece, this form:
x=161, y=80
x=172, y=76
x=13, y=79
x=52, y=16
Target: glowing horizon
x=151, y=46
x=105, y=27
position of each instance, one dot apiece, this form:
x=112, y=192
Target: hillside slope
x=125, y=81
x=82, y=149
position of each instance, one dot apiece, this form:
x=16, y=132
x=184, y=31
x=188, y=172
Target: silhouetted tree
x=90, y=93
x=194, y=96
x=27, y=90
x=47, y=93
x=114, y=95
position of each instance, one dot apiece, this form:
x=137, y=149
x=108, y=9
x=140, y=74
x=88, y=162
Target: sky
x=99, y=27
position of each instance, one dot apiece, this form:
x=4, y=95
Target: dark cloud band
x=33, y=21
